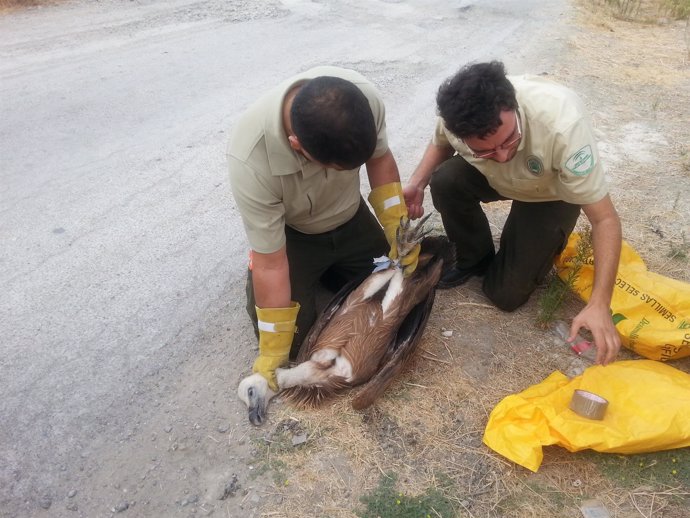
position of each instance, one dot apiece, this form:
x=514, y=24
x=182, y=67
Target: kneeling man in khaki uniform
x=294, y=160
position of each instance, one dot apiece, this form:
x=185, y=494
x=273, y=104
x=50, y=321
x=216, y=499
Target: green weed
x=659, y=469
x=386, y=502
x=556, y=290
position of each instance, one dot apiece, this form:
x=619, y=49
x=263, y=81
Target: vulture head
x=254, y=392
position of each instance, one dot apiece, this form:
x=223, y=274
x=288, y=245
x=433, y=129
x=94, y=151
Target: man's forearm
x=606, y=241
x=382, y=170
x=433, y=157
x=271, y=280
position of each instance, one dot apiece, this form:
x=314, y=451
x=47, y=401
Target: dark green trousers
x=532, y=236
x=333, y=258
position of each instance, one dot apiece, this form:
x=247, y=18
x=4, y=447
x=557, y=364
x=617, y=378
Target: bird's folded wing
x=400, y=350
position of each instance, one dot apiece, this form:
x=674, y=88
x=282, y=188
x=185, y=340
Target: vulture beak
x=254, y=392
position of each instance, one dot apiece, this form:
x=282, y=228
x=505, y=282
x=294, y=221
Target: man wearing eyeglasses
x=526, y=139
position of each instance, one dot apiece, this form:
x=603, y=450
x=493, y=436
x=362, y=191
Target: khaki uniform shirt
x=274, y=186
x=557, y=158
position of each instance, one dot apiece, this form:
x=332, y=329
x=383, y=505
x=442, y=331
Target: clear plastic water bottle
x=583, y=348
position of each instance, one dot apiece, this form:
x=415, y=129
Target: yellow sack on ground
x=651, y=312
x=649, y=410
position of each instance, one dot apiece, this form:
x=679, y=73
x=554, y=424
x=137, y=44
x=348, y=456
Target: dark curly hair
x=471, y=101
x=333, y=121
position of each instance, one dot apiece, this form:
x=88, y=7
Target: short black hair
x=471, y=101
x=333, y=121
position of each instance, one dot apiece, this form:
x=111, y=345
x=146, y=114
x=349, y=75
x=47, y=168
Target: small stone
x=71, y=506
x=45, y=501
x=447, y=333
x=299, y=439
x=72, y=493
x=122, y=506
x=223, y=428
x=190, y=500
x=168, y=429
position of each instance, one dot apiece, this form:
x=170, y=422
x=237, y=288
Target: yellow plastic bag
x=649, y=410
x=651, y=312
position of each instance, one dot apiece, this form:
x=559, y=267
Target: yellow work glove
x=389, y=205
x=276, y=331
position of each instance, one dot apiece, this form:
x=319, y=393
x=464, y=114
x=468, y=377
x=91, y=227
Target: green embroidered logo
x=535, y=165
x=581, y=162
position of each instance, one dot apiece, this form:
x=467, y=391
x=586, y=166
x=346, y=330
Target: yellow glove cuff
x=277, y=320
x=276, y=331
x=389, y=206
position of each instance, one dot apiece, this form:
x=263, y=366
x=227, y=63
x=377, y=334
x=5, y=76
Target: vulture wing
x=420, y=292
x=309, y=344
x=400, y=350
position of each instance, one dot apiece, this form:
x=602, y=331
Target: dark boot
x=456, y=276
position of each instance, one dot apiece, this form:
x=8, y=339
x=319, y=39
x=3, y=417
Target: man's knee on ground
x=506, y=299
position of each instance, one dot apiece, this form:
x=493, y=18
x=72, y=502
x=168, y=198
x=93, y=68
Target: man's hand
x=389, y=206
x=414, y=190
x=598, y=320
x=414, y=197
x=596, y=316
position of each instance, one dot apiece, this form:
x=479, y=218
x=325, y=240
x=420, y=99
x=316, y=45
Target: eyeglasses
x=512, y=140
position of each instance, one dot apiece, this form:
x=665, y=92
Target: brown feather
x=314, y=396
x=377, y=345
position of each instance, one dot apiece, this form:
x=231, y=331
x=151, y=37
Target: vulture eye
x=250, y=391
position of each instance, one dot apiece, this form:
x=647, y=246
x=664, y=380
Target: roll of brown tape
x=588, y=404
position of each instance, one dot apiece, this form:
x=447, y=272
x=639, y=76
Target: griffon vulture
x=364, y=336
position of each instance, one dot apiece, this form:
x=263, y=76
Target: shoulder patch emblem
x=535, y=165
x=581, y=162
